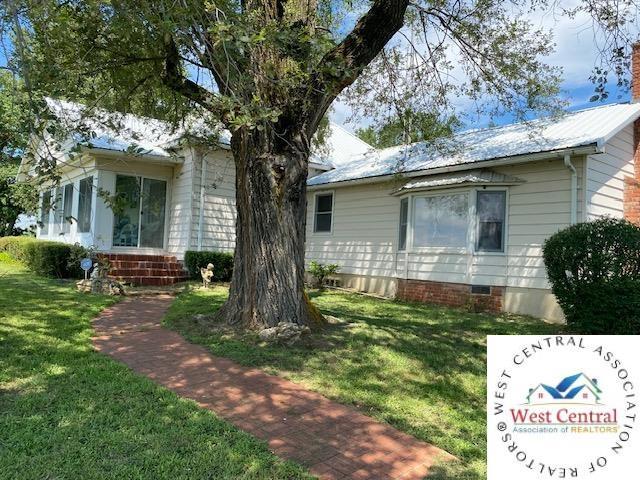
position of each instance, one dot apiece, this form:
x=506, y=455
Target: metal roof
x=469, y=177
x=121, y=132
x=593, y=126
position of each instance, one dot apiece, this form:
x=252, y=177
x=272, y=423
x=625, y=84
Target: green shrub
x=594, y=270
x=14, y=246
x=222, y=264
x=320, y=271
x=47, y=258
x=50, y=259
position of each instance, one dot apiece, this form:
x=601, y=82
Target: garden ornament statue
x=207, y=275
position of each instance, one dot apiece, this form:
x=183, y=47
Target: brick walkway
x=334, y=441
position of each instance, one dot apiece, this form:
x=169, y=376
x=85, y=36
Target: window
x=324, y=212
x=441, y=221
x=84, y=205
x=67, y=205
x=45, y=208
x=491, y=207
x=404, y=218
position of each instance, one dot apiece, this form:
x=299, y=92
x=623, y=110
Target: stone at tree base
x=286, y=333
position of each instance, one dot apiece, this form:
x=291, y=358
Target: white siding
x=219, y=215
x=365, y=232
x=606, y=174
x=180, y=215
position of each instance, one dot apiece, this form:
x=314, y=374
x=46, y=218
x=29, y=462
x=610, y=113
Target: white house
x=461, y=223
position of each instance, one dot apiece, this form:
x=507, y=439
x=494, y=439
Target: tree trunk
x=268, y=277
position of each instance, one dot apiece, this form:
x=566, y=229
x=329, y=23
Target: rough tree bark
x=271, y=168
x=268, y=277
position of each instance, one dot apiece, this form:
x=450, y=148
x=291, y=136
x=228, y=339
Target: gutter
x=142, y=157
x=532, y=157
x=574, y=189
x=203, y=181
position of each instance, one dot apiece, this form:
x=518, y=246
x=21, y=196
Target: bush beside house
x=222, y=263
x=594, y=270
x=46, y=258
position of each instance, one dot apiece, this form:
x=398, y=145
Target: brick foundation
x=451, y=294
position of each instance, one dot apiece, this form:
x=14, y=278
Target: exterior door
x=139, y=211
x=153, y=204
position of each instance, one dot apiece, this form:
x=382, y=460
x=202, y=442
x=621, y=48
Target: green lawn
x=67, y=412
x=417, y=367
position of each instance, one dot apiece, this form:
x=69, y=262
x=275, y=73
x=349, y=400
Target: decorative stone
x=99, y=283
x=285, y=333
x=207, y=275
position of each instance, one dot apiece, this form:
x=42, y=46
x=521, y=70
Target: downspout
x=203, y=181
x=574, y=189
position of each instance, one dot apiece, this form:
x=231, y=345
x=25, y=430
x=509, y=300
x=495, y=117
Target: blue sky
x=576, y=53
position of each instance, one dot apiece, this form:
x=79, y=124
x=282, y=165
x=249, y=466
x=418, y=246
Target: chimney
x=635, y=72
x=632, y=184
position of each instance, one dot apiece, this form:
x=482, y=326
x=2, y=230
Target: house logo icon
x=578, y=388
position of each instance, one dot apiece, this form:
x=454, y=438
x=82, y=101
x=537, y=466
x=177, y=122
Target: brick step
x=157, y=281
x=125, y=265
x=130, y=257
x=151, y=272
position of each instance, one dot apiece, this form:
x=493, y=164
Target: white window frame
x=51, y=193
x=441, y=248
x=406, y=239
x=333, y=210
x=472, y=230
x=505, y=242
x=92, y=182
x=65, y=225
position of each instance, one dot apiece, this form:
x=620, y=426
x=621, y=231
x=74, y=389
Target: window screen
x=323, y=212
x=491, y=207
x=45, y=209
x=404, y=217
x=66, y=209
x=441, y=221
x=84, y=205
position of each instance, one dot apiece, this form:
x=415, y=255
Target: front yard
x=417, y=367
x=67, y=412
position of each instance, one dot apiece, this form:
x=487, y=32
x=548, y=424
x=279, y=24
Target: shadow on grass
x=420, y=368
x=69, y=412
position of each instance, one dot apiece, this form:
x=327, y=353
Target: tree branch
x=351, y=56
x=173, y=78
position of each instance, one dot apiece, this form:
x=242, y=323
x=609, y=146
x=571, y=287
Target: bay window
x=490, y=211
x=441, y=220
x=449, y=221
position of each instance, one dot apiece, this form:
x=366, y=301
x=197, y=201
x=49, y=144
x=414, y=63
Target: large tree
x=269, y=70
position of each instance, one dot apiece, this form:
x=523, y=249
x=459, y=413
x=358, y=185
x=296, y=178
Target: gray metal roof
x=468, y=177
x=593, y=126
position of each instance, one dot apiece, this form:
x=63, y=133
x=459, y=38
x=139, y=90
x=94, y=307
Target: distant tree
x=15, y=122
x=409, y=127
